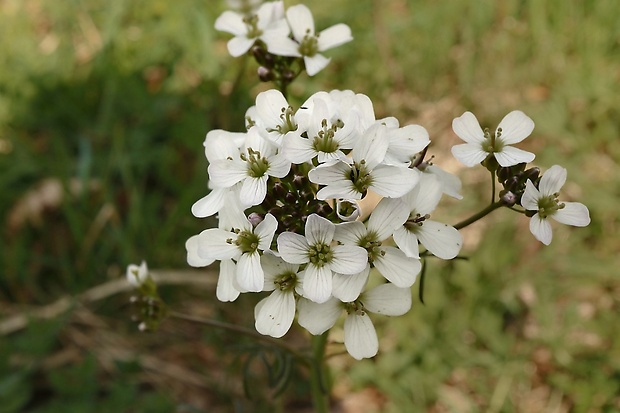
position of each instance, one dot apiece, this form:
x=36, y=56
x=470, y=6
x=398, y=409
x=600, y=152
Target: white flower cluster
x=289, y=33
x=290, y=193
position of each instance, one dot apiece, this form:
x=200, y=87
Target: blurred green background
x=104, y=106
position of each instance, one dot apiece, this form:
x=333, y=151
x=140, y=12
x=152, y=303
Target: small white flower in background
x=274, y=314
x=515, y=127
x=267, y=21
x=137, y=275
x=544, y=200
x=360, y=337
x=307, y=43
x=365, y=171
x=322, y=258
x=441, y=240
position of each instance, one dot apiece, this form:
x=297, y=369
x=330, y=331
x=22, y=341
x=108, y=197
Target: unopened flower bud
x=255, y=218
x=264, y=74
x=508, y=198
x=347, y=209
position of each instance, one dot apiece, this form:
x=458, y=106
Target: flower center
x=415, y=222
x=360, y=176
x=372, y=245
x=320, y=254
x=288, y=121
x=355, y=307
x=324, y=141
x=257, y=165
x=252, y=24
x=309, y=45
x=492, y=142
x=286, y=281
x=247, y=241
x=548, y=205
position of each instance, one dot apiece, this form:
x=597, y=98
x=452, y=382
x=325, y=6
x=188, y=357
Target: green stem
x=318, y=370
x=492, y=186
x=479, y=215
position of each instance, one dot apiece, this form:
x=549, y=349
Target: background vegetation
x=103, y=110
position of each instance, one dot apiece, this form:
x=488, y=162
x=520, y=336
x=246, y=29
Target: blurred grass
x=103, y=110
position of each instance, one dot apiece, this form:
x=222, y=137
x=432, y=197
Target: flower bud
x=508, y=198
x=264, y=74
x=347, y=209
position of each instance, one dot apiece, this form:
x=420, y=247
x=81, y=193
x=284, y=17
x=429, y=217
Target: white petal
x=239, y=45
x=573, y=213
x=396, y=267
x=319, y=230
x=334, y=36
x=293, y=248
x=348, y=287
x=327, y=174
x=317, y=283
x=275, y=267
x=348, y=259
x=250, y=275
x=530, y=197
x=451, y=184
x=515, y=127
x=372, y=146
x=220, y=144
x=210, y=204
x=270, y=105
x=301, y=21
x=297, y=149
x=407, y=241
x=552, y=180
x=441, y=240
x=423, y=199
x=226, y=290
x=387, y=299
x=393, y=181
x=276, y=315
x=318, y=318
x=314, y=64
x=387, y=217
x=469, y=154
x=225, y=173
x=253, y=190
x=360, y=337
x=407, y=141
x=541, y=229
x=340, y=190
x=265, y=231
x=510, y=156
x=281, y=45
x=279, y=166
x=350, y=232
x=231, y=22
x=193, y=259
x=467, y=128
x=212, y=244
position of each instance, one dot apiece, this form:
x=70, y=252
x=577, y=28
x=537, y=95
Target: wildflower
x=307, y=43
x=441, y=240
x=137, y=275
x=252, y=167
x=365, y=171
x=267, y=21
x=244, y=244
x=322, y=258
x=515, y=127
x=275, y=314
x=360, y=336
x=544, y=200
x=277, y=118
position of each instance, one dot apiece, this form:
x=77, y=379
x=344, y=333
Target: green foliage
x=103, y=110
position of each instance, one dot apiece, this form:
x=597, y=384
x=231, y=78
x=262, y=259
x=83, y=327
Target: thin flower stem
x=479, y=215
x=318, y=370
x=241, y=330
x=492, y=186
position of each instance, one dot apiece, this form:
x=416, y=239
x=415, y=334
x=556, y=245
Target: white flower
x=322, y=258
x=252, y=168
x=137, y=275
x=307, y=44
x=274, y=314
x=360, y=337
x=277, y=118
x=244, y=244
x=405, y=143
x=544, y=199
x=268, y=21
x=365, y=172
x=515, y=127
x=441, y=240
x=392, y=263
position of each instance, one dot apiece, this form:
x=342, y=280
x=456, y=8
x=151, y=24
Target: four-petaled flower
x=544, y=200
x=515, y=127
